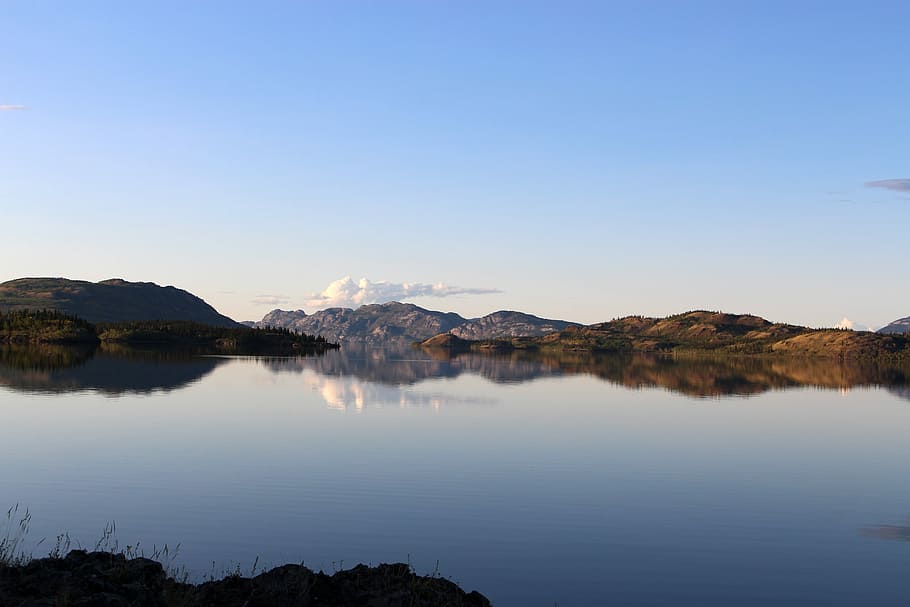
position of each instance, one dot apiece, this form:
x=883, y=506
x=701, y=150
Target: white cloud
x=846, y=323
x=898, y=185
x=345, y=293
x=11, y=108
x=270, y=300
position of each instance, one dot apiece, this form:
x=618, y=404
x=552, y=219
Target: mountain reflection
x=352, y=378
x=697, y=377
x=734, y=376
x=358, y=378
x=109, y=370
x=401, y=367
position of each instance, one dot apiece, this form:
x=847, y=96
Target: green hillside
x=112, y=300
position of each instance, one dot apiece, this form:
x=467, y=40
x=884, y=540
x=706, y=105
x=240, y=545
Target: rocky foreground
x=103, y=579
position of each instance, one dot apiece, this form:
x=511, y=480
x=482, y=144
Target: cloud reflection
x=352, y=394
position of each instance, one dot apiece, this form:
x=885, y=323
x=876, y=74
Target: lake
x=578, y=480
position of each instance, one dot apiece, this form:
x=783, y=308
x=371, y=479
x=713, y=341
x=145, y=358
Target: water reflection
x=735, y=376
x=698, y=377
x=110, y=370
x=352, y=394
x=400, y=367
x=43, y=357
x=353, y=377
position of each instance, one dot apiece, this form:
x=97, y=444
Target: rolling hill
x=699, y=332
x=113, y=300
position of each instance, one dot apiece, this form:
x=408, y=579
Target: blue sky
x=580, y=160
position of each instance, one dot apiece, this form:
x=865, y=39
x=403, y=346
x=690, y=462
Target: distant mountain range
x=402, y=323
x=397, y=324
x=898, y=326
x=113, y=300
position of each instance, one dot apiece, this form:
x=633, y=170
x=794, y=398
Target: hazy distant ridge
x=901, y=325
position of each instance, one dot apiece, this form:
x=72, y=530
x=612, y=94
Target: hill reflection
x=734, y=376
x=352, y=377
x=109, y=370
x=697, y=377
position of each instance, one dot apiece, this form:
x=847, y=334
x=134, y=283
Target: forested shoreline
x=55, y=327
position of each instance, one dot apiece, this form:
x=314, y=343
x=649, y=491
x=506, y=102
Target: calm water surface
x=534, y=481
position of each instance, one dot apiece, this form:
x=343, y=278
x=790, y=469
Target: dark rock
x=102, y=579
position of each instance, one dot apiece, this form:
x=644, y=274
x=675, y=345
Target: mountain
x=702, y=331
x=279, y=318
x=506, y=323
x=898, y=326
x=375, y=325
x=397, y=323
x=113, y=300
